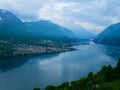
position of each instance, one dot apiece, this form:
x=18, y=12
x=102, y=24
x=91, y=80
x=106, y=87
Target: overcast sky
x=91, y=15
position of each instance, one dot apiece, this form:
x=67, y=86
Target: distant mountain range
x=83, y=34
x=110, y=36
x=48, y=28
x=12, y=26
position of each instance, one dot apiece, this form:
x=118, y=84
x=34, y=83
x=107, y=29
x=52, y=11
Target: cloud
x=27, y=9
x=91, y=26
x=58, y=12
x=95, y=14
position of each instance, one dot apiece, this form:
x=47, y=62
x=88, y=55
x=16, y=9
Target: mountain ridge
x=11, y=25
x=110, y=36
x=48, y=28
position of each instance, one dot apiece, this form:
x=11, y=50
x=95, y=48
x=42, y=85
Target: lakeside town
x=43, y=47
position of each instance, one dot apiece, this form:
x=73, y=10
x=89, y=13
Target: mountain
x=48, y=28
x=11, y=25
x=110, y=36
x=19, y=38
x=83, y=34
x=32, y=38
x=8, y=17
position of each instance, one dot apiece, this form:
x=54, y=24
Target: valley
x=18, y=38
x=42, y=53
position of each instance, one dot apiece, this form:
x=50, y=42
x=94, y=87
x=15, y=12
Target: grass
x=110, y=86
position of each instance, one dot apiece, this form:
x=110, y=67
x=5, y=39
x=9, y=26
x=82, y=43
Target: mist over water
x=26, y=73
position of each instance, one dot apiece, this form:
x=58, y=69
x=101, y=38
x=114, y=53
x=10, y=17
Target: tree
x=36, y=89
x=74, y=85
x=109, y=74
x=82, y=83
x=50, y=88
x=90, y=80
x=118, y=68
x=65, y=85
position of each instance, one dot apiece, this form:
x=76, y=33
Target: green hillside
x=110, y=86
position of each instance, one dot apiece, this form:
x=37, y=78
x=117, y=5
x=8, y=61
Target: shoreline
x=61, y=50
x=12, y=48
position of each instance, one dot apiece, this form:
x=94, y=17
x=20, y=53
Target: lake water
x=26, y=73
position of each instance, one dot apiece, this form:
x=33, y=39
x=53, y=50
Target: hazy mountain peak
x=7, y=16
x=46, y=22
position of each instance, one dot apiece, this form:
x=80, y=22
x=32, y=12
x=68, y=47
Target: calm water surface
x=26, y=73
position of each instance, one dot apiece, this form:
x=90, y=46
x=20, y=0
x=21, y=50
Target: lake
x=26, y=73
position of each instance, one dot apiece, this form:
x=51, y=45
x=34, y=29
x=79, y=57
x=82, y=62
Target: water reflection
x=73, y=65
x=8, y=63
x=40, y=71
x=113, y=52
x=12, y=62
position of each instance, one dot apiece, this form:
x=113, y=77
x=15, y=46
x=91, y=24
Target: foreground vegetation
x=115, y=85
x=108, y=78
